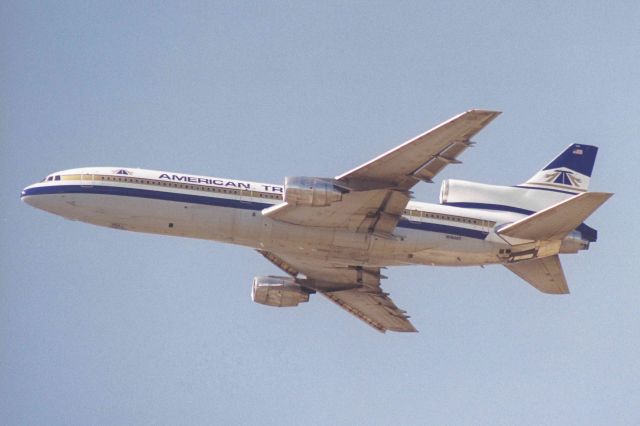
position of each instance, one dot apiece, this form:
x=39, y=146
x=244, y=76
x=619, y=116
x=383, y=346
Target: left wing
x=355, y=289
x=379, y=189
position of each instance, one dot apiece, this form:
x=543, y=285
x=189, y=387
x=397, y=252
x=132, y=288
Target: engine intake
x=278, y=291
x=312, y=191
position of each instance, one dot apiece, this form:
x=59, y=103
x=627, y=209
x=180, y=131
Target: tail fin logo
x=563, y=177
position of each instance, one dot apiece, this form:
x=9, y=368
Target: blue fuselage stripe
x=546, y=189
x=223, y=202
x=487, y=206
x=443, y=229
x=146, y=193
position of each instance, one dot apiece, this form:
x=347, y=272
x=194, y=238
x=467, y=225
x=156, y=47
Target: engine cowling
x=312, y=191
x=278, y=291
x=574, y=242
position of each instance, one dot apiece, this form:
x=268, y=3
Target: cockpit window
x=57, y=177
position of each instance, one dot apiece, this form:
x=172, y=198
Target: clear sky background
x=99, y=326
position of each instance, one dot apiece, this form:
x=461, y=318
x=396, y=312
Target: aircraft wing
x=376, y=211
x=424, y=156
x=380, y=187
x=355, y=289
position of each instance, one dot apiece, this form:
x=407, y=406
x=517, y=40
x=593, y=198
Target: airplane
x=335, y=236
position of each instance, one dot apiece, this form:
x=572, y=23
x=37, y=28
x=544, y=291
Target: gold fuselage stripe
x=170, y=184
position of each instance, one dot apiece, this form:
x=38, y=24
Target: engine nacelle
x=573, y=243
x=278, y=291
x=312, y=191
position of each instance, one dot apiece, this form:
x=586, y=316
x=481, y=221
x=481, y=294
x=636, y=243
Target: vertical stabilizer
x=570, y=171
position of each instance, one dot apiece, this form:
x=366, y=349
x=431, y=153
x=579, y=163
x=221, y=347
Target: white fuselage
x=229, y=211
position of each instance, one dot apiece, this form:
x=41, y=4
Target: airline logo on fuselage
x=217, y=182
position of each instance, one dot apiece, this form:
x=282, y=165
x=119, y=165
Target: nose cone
x=27, y=195
x=44, y=197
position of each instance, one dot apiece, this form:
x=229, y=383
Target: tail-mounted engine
x=312, y=191
x=278, y=291
x=518, y=199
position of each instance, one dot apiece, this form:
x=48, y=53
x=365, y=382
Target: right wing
x=372, y=307
x=355, y=289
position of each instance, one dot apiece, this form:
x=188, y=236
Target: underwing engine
x=312, y=191
x=278, y=291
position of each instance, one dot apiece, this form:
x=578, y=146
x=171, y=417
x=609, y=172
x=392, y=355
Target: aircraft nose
x=26, y=195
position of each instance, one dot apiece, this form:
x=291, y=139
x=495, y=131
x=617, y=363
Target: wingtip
x=604, y=196
x=484, y=115
x=484, y=111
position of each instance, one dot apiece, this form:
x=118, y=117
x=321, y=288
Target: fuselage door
x=86, y=179
x=487, y=226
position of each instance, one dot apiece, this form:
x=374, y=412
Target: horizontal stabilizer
x=555, y=222
x=544, y=274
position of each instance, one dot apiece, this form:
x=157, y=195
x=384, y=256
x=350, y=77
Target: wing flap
x=349, y=213
x=555, y=222
x=385, y=217
x=375, y=309
x=545, y=274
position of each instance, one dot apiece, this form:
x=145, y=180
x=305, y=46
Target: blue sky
x=99, y=326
